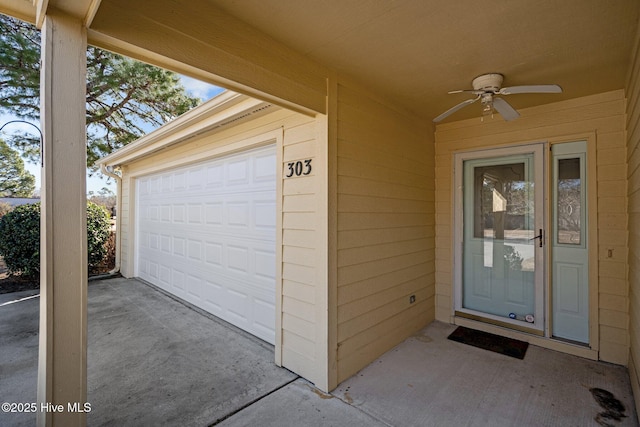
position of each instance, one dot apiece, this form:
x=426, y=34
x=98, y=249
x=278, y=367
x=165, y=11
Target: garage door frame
x=219, y=150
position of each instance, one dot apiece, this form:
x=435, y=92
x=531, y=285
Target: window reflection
x=504, y=214
x=503, y=201
x=569, y=202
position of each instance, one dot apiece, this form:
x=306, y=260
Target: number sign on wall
x=298, y=168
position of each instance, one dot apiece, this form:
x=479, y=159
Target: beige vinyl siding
x=598, y=118
x=304, y=303
x=385, y=228
x=302, y=306
x=633, y=194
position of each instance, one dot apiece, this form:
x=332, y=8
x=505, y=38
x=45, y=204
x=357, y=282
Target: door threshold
x=572, y=342
x=502, y=324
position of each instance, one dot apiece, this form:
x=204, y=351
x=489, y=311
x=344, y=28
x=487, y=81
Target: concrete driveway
x=155, y=361
x=151, y=360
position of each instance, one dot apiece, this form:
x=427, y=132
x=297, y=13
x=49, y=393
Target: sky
x=96, y=182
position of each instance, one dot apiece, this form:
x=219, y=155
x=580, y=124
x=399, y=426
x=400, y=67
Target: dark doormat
x=491, y=342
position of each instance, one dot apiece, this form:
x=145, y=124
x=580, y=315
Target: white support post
x=62, y=366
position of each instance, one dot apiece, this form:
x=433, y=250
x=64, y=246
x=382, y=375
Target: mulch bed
x=16, y=283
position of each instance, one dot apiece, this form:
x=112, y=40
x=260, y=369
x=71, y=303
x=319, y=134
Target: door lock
x=539, y=236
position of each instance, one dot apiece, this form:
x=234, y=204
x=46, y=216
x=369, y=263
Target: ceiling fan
x=486, y=87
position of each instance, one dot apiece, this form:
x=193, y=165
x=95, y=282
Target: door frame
x=544, y=340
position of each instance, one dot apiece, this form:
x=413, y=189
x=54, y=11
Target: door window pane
x=569, y=202
x=503, y=201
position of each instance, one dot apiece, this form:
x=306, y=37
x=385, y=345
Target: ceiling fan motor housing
x=486, y=87
x=488, y=82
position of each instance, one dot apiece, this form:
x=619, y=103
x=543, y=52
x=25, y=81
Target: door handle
x=539, y=236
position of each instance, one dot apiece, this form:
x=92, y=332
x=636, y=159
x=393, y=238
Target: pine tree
x=125, y=98
x=15, y=181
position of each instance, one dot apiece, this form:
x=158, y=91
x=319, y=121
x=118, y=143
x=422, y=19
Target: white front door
x=501, y=235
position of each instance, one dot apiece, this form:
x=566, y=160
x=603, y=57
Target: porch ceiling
x=415, y=51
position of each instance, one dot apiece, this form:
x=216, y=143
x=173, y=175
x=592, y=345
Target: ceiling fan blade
x=475, y=92
x=505, y=109
x=530, y=89
x=454, y=109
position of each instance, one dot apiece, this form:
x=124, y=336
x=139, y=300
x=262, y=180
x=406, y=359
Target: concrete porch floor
x=155, y=361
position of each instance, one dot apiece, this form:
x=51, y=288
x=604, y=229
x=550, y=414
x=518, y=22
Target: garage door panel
x=154, y=241
x=263, y=310
x=177, y=282
x=178, y=182
x=214, y=176
x=153, y=186
x=178, y=214
x=165, y=243
x=206, y=233
x=179, y=245
x=153, y=270
x=259, y=213
x=194, y=213
x=238, y=214
x=195, y=178
x=165, y=213
x=213, y=213
x=265, y=214
x=265, y=264
x=143, y=239
x=194, y=287
x=227, y=255
x=213, y=254
x=238, y=259
x=165, y=276
x=194, y=250
x=263, y=167
x=237, y=172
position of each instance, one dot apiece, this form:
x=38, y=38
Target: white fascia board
x=201, y=119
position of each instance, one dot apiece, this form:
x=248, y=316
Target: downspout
x=109, y=171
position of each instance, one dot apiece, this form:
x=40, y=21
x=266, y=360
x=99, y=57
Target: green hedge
x=98, y=229
x=20, y=237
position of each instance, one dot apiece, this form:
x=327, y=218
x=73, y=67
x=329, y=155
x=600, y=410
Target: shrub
x=20, y=238
x=98, y=230
x=108, y=263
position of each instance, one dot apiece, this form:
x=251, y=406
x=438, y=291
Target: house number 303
x=299, y=168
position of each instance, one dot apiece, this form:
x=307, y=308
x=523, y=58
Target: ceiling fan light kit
x=486, y=87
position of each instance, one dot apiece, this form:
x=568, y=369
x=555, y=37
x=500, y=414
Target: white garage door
x=206, y=233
